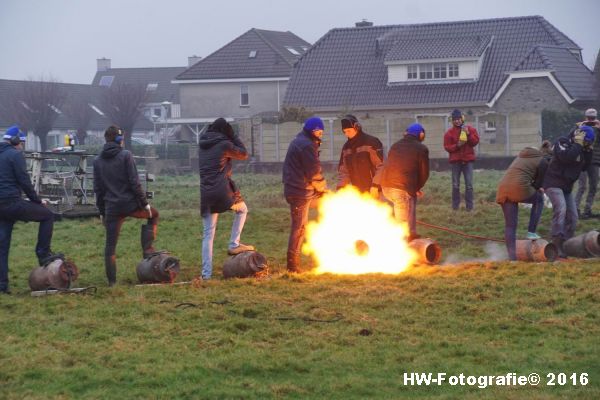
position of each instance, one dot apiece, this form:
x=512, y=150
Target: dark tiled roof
x=345, y=68
x=574, y=76
x=165, y=91
x=272, y=59
x=405, y=48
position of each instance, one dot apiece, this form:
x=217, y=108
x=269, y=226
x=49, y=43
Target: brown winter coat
x=523, y=177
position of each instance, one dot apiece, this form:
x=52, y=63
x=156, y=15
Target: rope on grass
x=443, y=228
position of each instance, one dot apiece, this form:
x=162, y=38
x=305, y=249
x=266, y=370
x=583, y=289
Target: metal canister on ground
x=586, y=245
x=536, y=250
x=159, y=267
x=429, y=251
x=245, y=265
x=58, y=274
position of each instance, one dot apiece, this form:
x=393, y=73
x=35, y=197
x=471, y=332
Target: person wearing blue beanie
x=592, y=126
x=303, y=184
x=572, y=155
x=404, y=174
x=14, y=180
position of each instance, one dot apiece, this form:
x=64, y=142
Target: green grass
x=257, y=338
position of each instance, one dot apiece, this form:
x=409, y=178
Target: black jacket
x=361, y=158
x=567, y=162
x=407, y=166
x=302, y=174
x=13, y=175
x=116, y=182
x=217, y=191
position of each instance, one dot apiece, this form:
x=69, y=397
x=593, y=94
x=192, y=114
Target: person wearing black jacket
x=591, y=174
x=361, y=158
x=572, y=155
x=218, y=192
x=303, y=184
x=13, y=181
x=119, y=195
x=404, y=174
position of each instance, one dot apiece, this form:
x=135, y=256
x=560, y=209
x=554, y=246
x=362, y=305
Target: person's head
x=591, y=114
x=114, y=134
x=416, y=130
x=458, y=119
x=546, y=147
x=221, y=125
x=588, y=139
x=350, y=126
x=15, y=137
x=315, y=126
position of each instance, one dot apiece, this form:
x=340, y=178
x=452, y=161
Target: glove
x=374, y=192
x=420, y=194
x=578, y=137
x=149, y=210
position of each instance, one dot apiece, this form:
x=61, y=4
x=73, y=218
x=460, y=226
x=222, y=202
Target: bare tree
x=80, y=113
x=35, y=105
x=122, y=104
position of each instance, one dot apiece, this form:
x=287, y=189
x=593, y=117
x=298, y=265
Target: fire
x=356, y=234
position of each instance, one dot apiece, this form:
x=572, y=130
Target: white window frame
x=441, y=70
x=425, y=72
x=432, y=71
x=152, y=87
x=242, y=93
x=452, y=71
x=293, y=50
x=252, y=54
x=412, y=72
x=106, y=80
x=490, y=126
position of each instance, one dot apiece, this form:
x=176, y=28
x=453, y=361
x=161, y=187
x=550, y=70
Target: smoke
x=494, y=252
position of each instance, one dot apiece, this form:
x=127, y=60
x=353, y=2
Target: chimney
x=363, y=23
x=193, y=60
x=103, y=64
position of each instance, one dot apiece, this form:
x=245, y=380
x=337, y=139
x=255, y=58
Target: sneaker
x=240, y=249
x=49, y=257
x=532, y=236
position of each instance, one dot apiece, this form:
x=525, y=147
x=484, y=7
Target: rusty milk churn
x=159, y=267
x=536, y=250
x=245, y=265
x=57, y=274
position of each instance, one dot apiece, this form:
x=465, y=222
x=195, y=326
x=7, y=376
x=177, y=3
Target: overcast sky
x=63, y=38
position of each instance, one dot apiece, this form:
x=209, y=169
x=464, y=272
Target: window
x=252, y=54
x=292, y=50
x=96, y=109
x=439, y=71
x=413, y=71
x=490, y=126
x=452, y=70
x=106, y=80
x=425, y=71
x=244, y=98
x=151, y=87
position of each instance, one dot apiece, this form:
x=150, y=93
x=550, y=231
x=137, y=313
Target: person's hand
x=149, y=210
x=374, y=192
x=102, y=221
x=44, y=202
x=578, y=137
x=420, y=194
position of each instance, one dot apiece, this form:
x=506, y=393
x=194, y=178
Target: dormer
x=436, y=60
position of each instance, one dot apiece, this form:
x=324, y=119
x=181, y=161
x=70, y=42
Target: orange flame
x=356, y=234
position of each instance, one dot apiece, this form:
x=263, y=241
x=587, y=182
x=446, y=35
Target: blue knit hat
x=12, y=132
x=589, y=133
x=415, y=130
x=456, y=114
x=314, y=123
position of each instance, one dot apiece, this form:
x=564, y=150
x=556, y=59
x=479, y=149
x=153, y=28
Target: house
x=501, y=72
x=162, y=97
x=246, y=77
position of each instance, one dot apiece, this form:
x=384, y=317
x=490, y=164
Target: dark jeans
x=591, y=176
x=113, y=225
x=299, y=213
x=511, y=219
x=564, y=213
x=27, y=211
x=467, y=170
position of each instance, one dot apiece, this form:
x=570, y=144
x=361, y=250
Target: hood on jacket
x=530, y=152
x=110, y=150
x=210, y=139
x=5, y=146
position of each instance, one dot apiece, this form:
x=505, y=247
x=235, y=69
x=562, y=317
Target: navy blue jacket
x=302, y=174
x=218, y=192
x=116, y=182
x=568, y=160
x=13, y=175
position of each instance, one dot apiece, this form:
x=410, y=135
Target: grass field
x=301, y=336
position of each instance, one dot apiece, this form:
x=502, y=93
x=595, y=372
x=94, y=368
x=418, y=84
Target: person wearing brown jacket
x=522, y=183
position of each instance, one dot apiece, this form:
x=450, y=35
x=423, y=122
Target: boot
x=110, y=266
x=148, y=235
x=293, y=263
x=558, y=242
